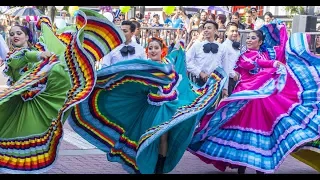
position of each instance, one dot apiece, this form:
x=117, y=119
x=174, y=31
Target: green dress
x=42, y=92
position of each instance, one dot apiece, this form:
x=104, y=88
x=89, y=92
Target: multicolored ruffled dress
x=309, y=153
x=136, y=102
x=42, y=92
x=271, y=111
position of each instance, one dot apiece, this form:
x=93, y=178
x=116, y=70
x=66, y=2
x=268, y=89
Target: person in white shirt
x=3, y=50
x=204, y=57
x=136, y=36
x=232, y=47
x=258, y=22
x=195, y=39
x=127, y=50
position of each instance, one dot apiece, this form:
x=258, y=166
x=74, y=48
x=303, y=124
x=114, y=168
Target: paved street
x=77, y=156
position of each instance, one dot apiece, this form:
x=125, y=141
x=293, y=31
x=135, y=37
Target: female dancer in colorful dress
x=308, y=153
x=143, y=112
x=272, y=111
x=45, y=81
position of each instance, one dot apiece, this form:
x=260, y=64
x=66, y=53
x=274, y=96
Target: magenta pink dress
x=271, y=111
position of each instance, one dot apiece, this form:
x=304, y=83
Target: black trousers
x=194, y=79
x=231, y=85
x=200, y=82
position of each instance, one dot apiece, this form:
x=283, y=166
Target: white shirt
x=232, y=55
x=133, y=38
x=196, y=41
x=186, y=24
x=197, y=60
x=115, y=56
x=258, y=23
x=3, y=48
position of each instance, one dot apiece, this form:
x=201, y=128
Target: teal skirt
x=135, y=102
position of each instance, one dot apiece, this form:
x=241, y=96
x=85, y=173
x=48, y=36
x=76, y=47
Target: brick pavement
x=189, y=164
x=77, y=158
x=73, y=160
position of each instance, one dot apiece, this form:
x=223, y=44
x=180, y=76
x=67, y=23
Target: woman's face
x=196, y=21
x=18, y=37
x=121, y=16
x=210, y=18
x=318, y=40
x=217, y=19
x=155, y=33
x=253, y=42
x=219, y=40
x=117, y=21
x=267, y=19
x=235, y=19
x=145, y=34
x=154, y=51
x=155, y=20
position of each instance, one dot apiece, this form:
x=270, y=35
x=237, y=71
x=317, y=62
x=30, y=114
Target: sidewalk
x=77, y=156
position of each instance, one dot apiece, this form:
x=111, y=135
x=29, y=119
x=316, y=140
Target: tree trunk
x=134, y=11
x=51, y=12
x=142, y=10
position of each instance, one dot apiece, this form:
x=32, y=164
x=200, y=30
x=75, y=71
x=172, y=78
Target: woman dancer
x=272, y=110
x=143, y=118
x=45, y=81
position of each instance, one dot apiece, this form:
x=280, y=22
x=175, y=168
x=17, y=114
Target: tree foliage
x=295, y=10
x=45, y=8
x=243, y=18
x=52, y=11
x=41, y=8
